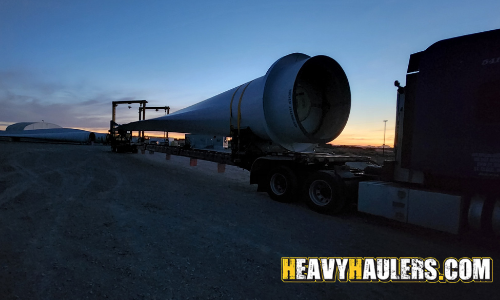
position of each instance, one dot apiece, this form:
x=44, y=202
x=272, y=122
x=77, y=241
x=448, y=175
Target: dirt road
x=80, y=222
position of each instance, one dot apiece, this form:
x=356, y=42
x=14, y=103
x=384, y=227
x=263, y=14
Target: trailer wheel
x=282, y=184
x=324, y=193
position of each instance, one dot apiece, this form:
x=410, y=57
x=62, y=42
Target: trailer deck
x=229, y=158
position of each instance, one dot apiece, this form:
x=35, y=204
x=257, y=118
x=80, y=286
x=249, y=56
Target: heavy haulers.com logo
x=386, y=269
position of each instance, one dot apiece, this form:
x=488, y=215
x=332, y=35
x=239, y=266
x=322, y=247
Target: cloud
x=26, y=97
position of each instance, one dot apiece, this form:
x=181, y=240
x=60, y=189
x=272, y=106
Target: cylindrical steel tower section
x=301, y=101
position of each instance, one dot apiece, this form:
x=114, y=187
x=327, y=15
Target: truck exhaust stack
x=299, y=102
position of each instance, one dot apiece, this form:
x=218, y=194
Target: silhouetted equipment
x=157, y=108
x=142, y=103
x=121, y=140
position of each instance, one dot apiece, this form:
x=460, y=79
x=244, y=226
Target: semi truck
x=445, y=173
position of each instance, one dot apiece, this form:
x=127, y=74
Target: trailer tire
x=324, y=192
x=282, y=184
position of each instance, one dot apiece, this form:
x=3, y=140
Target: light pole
x=383, y=146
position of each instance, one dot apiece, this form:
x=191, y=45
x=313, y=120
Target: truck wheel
x=282, y=184
x=324, y=193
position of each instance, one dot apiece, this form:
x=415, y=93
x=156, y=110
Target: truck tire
x=282, y=184
x=324, y=192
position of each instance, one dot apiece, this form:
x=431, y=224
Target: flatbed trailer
x=286, y=175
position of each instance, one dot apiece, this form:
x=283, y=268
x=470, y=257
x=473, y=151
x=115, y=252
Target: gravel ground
x=80, y=222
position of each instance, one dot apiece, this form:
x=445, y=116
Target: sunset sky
x=65, y=61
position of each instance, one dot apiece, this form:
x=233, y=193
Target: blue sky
x=65, y=61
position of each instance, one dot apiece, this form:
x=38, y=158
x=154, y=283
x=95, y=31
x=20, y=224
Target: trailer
x=283, y=174
x=446, y=171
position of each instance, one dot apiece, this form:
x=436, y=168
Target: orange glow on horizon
x=364, y=137
x=349, y=137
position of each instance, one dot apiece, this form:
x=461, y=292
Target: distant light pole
x=383, y=146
